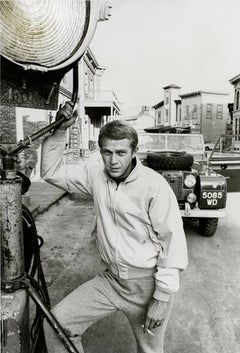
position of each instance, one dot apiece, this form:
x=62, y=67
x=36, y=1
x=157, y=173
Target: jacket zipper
x=116, y=187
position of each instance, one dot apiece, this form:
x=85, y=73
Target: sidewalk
x=42, y=196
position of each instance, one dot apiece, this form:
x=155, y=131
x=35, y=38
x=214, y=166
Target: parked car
x=236, y=146
x=208, y=146
x=181, y=159
x=226, y=160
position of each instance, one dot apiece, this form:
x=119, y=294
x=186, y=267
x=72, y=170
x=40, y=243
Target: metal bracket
x=187, y=209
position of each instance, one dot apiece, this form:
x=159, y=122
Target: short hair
x=118, y=130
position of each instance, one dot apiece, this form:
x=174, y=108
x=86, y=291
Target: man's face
x=117, y=156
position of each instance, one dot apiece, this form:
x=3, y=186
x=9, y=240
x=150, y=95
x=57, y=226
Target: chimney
x=145, y=109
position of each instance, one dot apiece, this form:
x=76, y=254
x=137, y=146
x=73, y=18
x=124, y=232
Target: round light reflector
x=43, y=32
x=191, y=198
x=190, y=180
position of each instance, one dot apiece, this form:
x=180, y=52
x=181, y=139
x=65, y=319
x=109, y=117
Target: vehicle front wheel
x=208, y=226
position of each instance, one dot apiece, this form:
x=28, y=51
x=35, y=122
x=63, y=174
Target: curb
x=37, y=209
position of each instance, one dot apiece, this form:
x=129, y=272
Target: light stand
x=15, y=285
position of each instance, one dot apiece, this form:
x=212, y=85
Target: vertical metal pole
x=15, y=308
x=12, y=256
x=15, y=322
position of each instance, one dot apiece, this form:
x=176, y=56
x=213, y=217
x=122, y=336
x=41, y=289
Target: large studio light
x=41, y=40
x=48, y=35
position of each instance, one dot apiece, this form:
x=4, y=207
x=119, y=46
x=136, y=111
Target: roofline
x=131, y=118
x=135, y=117
x=171, y=86
x=158, y=105
x=89, y=53
x=199, y=93
x=234, y=79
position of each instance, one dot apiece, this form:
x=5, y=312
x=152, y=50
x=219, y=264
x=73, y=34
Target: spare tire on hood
x=169, y=160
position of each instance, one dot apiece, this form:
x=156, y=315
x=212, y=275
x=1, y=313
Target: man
x=140, y=236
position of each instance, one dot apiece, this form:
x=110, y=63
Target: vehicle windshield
x=227, y=146
x=190, y=143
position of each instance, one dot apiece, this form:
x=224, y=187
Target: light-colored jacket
x=139, y=226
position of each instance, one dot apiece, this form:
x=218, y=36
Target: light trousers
x=100, y=297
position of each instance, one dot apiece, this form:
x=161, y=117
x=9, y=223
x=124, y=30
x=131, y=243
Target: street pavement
x=206, y=316
x=41, y=196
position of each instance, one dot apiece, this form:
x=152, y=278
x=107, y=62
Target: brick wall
x=28, y=157
x=30, y=153
x=7, y=125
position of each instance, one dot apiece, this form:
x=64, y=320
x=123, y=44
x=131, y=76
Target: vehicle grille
x=175, y=180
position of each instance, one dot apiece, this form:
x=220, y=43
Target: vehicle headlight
x=191, y=198
x=190, y=181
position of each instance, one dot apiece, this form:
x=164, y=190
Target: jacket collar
x=132, y=176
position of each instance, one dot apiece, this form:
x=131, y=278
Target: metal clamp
x=11, y=286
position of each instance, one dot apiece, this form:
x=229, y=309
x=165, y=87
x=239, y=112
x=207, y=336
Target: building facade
x=142, y=120
x=206, y=113
x=235, y=81
x=95, y=106
x=167, y=112
x=203, y=112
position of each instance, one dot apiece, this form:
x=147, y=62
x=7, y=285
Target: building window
x=159, y=117
x=209, y=111
x=219, y=111
x=86, y=87
x=194, y=116
x=237, y=127
x=237, y=100
x=166, y=114
x=166, y=97
x=187, y=112
x=180, y=114
x=91, y=87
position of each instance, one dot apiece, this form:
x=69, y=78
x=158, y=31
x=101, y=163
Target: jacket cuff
x=161, y=295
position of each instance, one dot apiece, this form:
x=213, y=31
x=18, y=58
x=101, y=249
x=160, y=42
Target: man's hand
x=156, y=314
x=67, y=112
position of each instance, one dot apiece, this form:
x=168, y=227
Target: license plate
x=212, y=198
